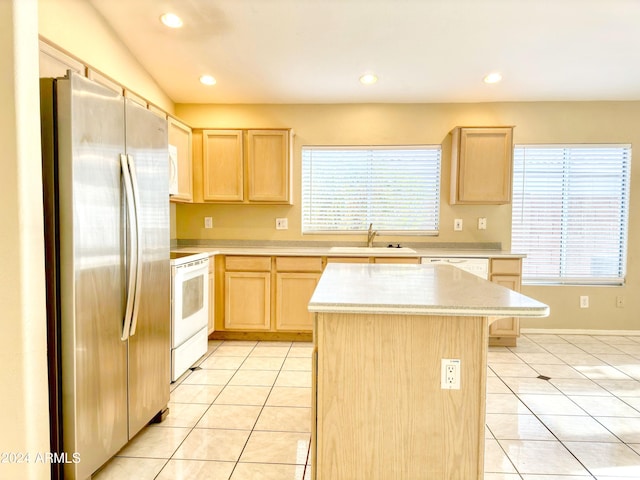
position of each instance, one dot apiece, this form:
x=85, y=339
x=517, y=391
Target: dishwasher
x=477, y=266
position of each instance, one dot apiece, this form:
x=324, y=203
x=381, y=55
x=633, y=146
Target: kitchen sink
x=371, y=250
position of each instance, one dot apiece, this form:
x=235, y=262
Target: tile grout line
x=191, y=429
x=540, y=420
x=534, y=343
x=259, y=413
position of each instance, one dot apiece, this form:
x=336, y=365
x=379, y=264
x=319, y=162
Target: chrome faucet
x=371, y=235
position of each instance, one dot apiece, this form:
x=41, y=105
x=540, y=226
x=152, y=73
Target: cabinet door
x=293, y=292
x=212, y=302
x=222, y=166
x=269, y=166
x=247, y=301
x=180, y=138
x=481, y=165
x=510, y=326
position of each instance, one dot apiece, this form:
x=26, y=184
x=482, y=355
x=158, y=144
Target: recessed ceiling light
x=368, y=79
x=207, y=80
x=494, y=77
x=171, y=20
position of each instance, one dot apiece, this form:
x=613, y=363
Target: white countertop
x=417, y=290
x=298, y=251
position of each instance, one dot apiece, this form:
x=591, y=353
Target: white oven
x=189, y=310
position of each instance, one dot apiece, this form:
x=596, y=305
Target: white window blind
x=397, y=189
x=570, y=212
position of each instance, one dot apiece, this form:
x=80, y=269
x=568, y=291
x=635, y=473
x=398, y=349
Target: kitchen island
x=382, y=407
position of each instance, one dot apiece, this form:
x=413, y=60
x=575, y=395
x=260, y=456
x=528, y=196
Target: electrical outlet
x=450, y=374
x=208, y=222
x=584, y=301
x=482, y=223
x=282, y=224
x=457, y=224
x=620, y=301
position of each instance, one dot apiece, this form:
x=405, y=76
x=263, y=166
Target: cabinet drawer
x=248, y=264
x=299, y=264
x=396, y=260
x=505, y=266
x=347, y=259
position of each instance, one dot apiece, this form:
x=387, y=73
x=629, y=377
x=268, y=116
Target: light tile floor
x=245, y=414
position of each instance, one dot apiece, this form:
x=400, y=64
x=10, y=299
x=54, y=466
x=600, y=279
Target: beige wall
x=546, y=122
x=24, y=417
x=76, y=27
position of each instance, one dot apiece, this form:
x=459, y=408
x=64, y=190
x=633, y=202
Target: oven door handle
x=138, y=265
x=131, y=246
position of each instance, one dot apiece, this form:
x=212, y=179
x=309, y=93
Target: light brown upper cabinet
x=222, y=166
x=180, y=147
x=481, y=165
x=268, y=166
x=246, y=166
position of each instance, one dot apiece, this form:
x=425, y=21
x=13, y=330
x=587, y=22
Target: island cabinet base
x=379, y=411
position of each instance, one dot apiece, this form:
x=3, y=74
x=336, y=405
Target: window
x=397, y=189
x=570, y=212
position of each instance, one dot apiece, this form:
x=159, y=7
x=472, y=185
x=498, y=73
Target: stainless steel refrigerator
x=105, y=177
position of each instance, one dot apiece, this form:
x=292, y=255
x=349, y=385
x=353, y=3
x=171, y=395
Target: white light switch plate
x=282, y=224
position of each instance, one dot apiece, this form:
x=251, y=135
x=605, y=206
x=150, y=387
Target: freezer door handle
x=131, y=247
x=138, y=229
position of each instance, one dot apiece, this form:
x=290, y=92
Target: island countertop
x=417, y=290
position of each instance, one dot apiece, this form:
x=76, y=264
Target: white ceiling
x=313, y=51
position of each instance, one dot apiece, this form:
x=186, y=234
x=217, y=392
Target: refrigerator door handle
x=131, y=247
x=138, y=265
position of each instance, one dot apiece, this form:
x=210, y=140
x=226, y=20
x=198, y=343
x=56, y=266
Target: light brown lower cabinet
x=212, y=297
x=263, y=294
x=247, y=293
x=269, y=294
x=347, y=259
x=247, y=301
x=296, y=280
x=293, y=292
x=373, y=260
x=396, y=260
x=506, y=272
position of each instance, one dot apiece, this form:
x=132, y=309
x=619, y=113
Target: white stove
x=189, y=310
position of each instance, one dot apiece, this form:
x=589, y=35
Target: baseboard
x=579, y=331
